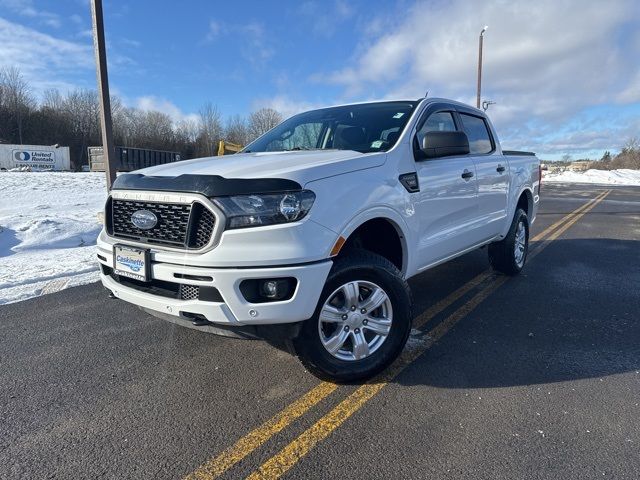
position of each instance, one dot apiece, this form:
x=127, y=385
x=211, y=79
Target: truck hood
x=299, y=166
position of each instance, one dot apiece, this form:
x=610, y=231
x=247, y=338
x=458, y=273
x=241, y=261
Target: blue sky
x=564, y=73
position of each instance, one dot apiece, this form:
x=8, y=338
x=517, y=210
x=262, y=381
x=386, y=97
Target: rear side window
x=478, y=133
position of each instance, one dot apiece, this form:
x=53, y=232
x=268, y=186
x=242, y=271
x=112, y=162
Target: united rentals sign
x=34, y=157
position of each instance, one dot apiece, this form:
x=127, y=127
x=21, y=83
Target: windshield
x=371, y=127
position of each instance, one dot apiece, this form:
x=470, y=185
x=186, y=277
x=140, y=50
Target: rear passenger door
x=492, y=173
x=446, y=205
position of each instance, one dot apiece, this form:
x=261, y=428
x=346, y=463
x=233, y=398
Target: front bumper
x=233, y=309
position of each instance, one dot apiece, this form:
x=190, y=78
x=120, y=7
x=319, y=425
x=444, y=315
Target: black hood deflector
x=207, y=185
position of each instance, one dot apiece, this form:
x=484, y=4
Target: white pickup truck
x=311, y=232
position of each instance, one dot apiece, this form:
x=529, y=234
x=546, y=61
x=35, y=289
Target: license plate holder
x=131, y=262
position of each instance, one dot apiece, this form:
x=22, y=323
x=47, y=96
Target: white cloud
x=129, y=42
x=153, y=103
x=214, y=30
x=26, y=9
x=87, y=33
x=544, y=61
x=326, y=17
x=254, y=42
x=285, y=105
x=587, y=139
x=631, y=94
x=45, y=61
x=257, y=48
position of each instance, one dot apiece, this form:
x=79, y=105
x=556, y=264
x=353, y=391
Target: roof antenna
x=426, y=94
x=486, y=104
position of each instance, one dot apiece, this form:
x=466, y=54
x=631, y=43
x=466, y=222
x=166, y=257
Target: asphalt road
x=536, y=376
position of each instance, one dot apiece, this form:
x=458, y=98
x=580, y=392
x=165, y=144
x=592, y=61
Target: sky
x=565, y=74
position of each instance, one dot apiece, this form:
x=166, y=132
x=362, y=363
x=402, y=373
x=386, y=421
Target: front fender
x=394, y=218
x=345, y=202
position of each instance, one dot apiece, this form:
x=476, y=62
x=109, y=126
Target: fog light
x=264, y=290
x=275, y=289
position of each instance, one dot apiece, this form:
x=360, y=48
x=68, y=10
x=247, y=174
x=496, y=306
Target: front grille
x=203, y=229
x=189, y=292
x=179, y=225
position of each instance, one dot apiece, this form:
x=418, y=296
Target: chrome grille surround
x=174, y=233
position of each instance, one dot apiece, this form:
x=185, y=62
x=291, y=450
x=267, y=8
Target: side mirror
x=444, y=144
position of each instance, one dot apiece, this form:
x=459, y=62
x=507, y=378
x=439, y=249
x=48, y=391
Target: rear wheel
x=362, y=320
x=509, y=255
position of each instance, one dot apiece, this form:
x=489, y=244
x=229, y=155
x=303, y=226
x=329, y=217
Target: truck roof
x=428, y=99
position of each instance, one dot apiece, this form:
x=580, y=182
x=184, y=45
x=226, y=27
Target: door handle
x=500, y=169
x=467, y=174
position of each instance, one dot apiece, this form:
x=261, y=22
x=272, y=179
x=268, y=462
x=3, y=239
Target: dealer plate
x=131, y=262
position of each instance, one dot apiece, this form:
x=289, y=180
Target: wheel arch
x=392, y=245
x=525, y=201
x=524, y=197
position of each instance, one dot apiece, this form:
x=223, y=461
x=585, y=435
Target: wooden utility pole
x=480, y=65
x=100, y=51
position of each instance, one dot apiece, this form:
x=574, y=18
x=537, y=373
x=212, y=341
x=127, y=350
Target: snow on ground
x=602, y=177
x=48, y=231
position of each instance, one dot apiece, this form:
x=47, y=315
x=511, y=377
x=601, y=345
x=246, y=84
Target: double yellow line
x=286, y=458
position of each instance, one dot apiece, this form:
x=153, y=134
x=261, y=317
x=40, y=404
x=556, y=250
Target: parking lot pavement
x=536, y=376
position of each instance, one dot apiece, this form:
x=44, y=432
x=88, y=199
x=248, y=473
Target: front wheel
x=362, y=320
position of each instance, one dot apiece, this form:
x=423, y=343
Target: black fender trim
x=207, y=185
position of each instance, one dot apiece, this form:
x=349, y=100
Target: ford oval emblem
x=144, y=219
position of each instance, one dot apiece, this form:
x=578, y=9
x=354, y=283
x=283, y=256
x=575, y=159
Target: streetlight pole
x=480, y=64
x=103, y=92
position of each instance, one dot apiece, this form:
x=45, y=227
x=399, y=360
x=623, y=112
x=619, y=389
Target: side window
x=476, y=130
x=437, y=122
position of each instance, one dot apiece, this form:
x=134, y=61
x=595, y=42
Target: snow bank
x=603, y=177
x=48, y=231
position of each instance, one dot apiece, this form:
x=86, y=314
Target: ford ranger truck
x=311, y=232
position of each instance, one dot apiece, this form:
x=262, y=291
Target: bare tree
x=187, y=130
x=50, y=124
x=72, y=119
x=51, y=98
x=158, y=130
x=186, y=133
x=17, y=98
x=629, y=156
x=210, y=129
x=116, y=105
x=81, y=108
x=263, y=120
x=237, y=130
x=125, y=121
x=632, y=144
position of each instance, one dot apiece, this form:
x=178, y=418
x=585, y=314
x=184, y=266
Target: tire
x=503, y=256
x=352, y=362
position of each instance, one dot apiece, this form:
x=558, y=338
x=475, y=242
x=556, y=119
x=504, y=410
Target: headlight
x=268, y=209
